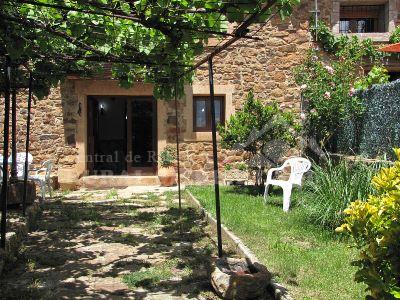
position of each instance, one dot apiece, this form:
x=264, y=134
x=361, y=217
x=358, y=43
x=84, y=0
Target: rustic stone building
x=85, y=117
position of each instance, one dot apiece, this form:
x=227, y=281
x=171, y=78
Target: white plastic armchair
x=43, y=177
x=21, y=163
x=1, y=168
x=298, y=166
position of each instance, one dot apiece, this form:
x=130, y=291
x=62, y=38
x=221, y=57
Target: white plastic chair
x=1, y=168
x=298, y=166
x=43, y=177
x=21, y=163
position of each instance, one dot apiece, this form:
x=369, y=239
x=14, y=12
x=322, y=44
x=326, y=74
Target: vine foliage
x=149, y=41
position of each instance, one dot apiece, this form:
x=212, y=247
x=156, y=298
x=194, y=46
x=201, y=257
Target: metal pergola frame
x=241, y=32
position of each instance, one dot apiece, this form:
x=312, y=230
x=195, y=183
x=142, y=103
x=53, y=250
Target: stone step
x=107, y=182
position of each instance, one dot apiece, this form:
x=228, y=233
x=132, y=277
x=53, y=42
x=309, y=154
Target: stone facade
x=52, y=126
x=265, y=66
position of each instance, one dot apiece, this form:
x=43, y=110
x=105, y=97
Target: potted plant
x=166, y=172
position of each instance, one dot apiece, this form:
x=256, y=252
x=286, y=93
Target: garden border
x=279, y=291
x=14, y=239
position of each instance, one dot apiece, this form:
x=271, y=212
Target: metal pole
x=215, y=156
x=177, y=147
x=14, y=172
x=28, y=128
x=4, y=186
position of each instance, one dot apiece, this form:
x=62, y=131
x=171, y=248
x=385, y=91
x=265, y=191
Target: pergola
x=160, y=66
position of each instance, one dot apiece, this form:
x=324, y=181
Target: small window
x=202, y=112
x=362, y=19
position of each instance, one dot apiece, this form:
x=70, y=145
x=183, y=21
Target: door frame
x=107, y=87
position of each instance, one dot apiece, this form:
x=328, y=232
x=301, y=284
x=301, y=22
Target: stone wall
x=53, y=126
x=265, y=66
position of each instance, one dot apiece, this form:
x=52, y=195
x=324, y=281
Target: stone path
x=97, y=245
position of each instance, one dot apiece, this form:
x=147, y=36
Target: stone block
x=67, y=179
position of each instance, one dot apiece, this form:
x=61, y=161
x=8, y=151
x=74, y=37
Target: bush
x=329, y=82
x=255, y=129
x=332, y=187
x=375, y=228
x=395, y=36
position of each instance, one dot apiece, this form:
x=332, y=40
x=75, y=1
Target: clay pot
x=167, y=176
x=236, y=279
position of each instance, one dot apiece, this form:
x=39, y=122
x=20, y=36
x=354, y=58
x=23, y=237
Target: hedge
x=377, y=132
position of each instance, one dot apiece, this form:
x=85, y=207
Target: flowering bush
x=329, y=92
x=375, y=228
x=329, y=83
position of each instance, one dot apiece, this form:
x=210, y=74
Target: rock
x=235, y=279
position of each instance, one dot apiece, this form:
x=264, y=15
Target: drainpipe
x=215, y=156
x=4, y=186
x=28, y=128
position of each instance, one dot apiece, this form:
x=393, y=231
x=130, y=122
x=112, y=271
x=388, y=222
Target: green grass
x=312, y=262
x=151, y=276
x=112, y=194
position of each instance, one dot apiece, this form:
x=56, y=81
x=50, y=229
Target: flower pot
x=167, y=176
x=237, y=279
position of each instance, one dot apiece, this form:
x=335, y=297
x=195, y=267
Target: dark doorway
x=143, y=138
x=107, y=135
x=122, y=135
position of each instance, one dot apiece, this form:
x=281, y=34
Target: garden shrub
x=259, y=129
x=329, y=83
x=375, y=227
x=326, y=90
x=332, y=187
x=395, y=36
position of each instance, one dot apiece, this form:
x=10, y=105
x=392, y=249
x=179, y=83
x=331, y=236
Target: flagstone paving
x=98, y=245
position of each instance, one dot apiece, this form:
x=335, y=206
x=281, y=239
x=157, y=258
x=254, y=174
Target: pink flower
x=329, y=69
x=352, y=92
x=303, y=116
x=313, y=111
x=327, y=95
x=303, y=86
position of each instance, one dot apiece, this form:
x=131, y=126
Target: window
x=202, y=112
x=362, y=19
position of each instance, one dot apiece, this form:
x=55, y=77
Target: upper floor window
x=202, y=112
x=363, y=18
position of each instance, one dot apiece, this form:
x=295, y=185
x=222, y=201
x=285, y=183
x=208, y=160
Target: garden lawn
x=313, y=263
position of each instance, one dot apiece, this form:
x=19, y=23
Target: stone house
x=92, y=127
